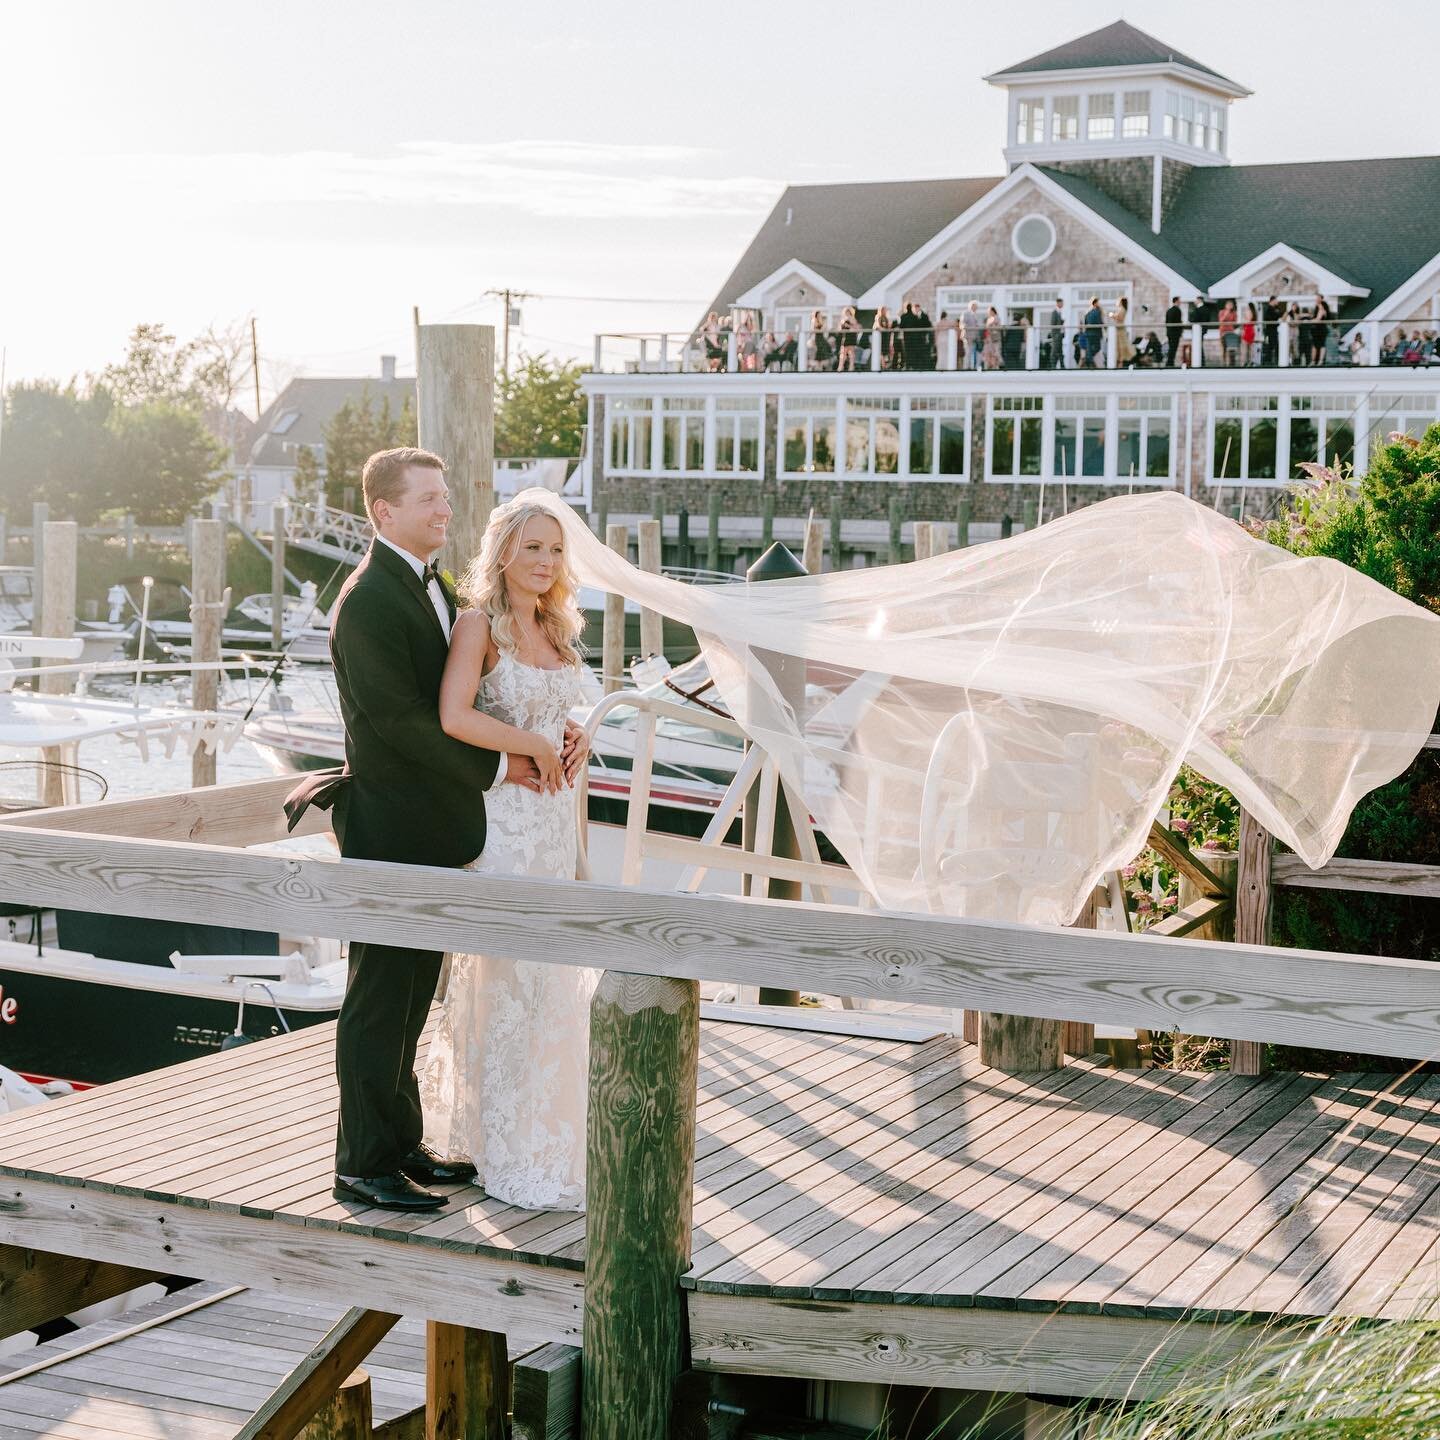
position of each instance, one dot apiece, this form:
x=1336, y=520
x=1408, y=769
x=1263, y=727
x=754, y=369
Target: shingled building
x=1118, y=189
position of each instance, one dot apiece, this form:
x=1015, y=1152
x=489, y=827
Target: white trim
x=761, y=294
x=888, y=290
x=1216, y=84
x=1157, y=194
x=1427, y=274
x=1327, y=282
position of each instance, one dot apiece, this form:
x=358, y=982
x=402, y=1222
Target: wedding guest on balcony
x=1248, y=353
x=884, y=327
x=1094, y=333
x=945, y=326
x=1174, y=330
x=822, y=347
x=1271, y=316
x=1012, y=343
x=972, y=326
x=1357, y=349
x=1295, y=318
x=1120, y=319
x=1229, y=328
x=909, y=337
x=990, y=345
x=849, y=336
x=713, y=342
x=1055, y=329
x=1320, y=332
x=778, y=352
x=926, y=332
x=1151, y=352
x=745, y=349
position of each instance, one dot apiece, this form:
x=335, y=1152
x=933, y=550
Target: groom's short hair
x=383, y=477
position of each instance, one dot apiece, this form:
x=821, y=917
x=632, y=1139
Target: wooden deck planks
x=837, y=1168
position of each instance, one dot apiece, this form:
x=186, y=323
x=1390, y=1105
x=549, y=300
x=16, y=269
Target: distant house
x=297, y=419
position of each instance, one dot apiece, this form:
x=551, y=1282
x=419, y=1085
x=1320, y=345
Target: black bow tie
x=432, y=572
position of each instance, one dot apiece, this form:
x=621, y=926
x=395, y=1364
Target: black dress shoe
x=424, y=1165
x=387, y=1192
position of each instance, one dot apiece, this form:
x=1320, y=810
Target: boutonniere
x=447, y=582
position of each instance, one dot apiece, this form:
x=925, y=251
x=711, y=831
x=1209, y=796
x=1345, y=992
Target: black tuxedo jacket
x=409, y=792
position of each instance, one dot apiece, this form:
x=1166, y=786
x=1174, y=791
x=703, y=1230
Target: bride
x=506, y=1079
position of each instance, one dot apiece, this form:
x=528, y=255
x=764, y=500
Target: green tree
x=541, y=409
x=156, y=367
x=165, y=461
x=58, y=448
x=307, y=482
x=356, y=431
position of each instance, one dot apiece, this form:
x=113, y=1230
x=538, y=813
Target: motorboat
x=102, y=639
x=86, y=999
x=247, y=629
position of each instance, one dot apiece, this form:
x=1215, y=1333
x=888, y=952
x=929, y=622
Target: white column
x=1282, y=350
x=598, y=347
x=875, y=341
x=802, y=340
x=1032, y=348
x=1197, y=345
x=732, y=350
x=1112, y=346
x=1372, y=342
x=952, y=347
x=665, y=351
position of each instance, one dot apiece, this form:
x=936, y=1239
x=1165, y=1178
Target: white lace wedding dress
x=506, y=1078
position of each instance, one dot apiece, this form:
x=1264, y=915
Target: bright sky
x=327, y=166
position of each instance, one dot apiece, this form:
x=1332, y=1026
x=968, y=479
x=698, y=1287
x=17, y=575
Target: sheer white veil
x=988, y=732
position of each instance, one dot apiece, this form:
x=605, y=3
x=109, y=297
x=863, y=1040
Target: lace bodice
x=527, y=696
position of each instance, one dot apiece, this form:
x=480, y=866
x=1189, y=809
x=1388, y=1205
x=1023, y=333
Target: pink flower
x=1143, y=905
x=1181, y=827
x=1169, y=901
x=1128, y=873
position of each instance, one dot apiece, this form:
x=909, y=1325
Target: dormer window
x=1030, y=122
x=1100, y=122
x=1065, y=118
x=1137, y=114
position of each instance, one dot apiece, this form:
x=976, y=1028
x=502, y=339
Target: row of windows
x=1194, y=122
x=1119, y=114
x=1251, y=438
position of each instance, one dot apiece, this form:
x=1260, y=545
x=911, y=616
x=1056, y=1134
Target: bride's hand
x=550, y=765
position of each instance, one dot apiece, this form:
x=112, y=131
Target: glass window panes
x=1137, y=114
x=938, y=435
x=872, y=436
x=810, y=430
x=1100, y=119
x=631, y=425
x=922, y=444
x=682, y=433
x=1172, y=114
x=953, y=446
x=1065, y=118
x=1030, y=122
x=737, y=436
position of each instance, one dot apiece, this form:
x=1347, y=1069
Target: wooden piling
x=962, y=522
x=1020, y=1043
x=467, y=1383
x=349, y=1416
x=924, y=539
x=545, y=1394
x=129, y=530
x=644, y=1052
x=814, y=557
x=897, y=525
x=767, y=521
x=278, y=513
x=837, y=535
x=1007, y=526
x=39, y=516
x=56, y=544
x=712, y=550
x=1252, y=920
x=207, y=583
x=652, y=634
x=455, y=385
x=612, y=649
x=682, y=538
x=1031, y=512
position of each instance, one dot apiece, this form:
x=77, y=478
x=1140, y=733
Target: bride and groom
x=458, y=752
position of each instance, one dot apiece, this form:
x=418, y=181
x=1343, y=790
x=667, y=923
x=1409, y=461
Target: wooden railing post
x=644, y=1069
x=814, y=546
x=467, y=1383
x=279, y=513
x=1252, y=921
x=207, y=582
x=349, y=1416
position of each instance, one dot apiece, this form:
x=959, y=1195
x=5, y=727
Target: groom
x=409, y=794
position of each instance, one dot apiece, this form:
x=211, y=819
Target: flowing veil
x=987, y=732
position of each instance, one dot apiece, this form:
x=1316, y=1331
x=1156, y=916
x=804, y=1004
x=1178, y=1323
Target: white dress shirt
x=442, y=613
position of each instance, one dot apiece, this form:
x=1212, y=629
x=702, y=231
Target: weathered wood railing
x=169, y=855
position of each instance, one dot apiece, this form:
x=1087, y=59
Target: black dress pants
x=385, y=1007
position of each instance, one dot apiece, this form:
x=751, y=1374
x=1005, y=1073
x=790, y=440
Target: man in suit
x=409, y=794
x=1055, y=328
x=1174, y=330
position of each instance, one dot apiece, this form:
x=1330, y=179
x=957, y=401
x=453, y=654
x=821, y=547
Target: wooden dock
x=195, y=1366
x=865, y=1208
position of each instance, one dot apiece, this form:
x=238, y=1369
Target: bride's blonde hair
x=483, y=584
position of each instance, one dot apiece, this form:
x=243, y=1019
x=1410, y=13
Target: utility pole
x=255, y=365
x=509, y=299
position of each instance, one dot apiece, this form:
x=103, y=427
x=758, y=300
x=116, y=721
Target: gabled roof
x=299, y=414
x=1119, y=44
x=851, y=234
x=1374, y=221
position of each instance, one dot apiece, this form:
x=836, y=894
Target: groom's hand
x=575, y=753
x=521, y=770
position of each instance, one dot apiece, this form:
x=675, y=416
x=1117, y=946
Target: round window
x=1033, y=238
